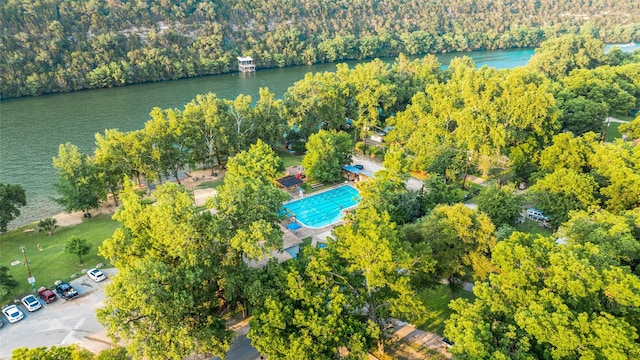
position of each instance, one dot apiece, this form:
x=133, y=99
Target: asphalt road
x=74, y=322
x=61, y=322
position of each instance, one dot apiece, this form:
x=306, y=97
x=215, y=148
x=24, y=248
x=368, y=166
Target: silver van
x=537, y=215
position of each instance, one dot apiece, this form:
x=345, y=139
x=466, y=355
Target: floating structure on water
x=245, y=64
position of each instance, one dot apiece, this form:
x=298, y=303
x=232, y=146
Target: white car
x=31, y=303
x=96, y=275
x=12, y=313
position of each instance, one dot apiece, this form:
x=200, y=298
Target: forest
x=49, y=46
x=568, y=295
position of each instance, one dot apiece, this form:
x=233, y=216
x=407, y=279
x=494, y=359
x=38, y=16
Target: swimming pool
x=323, y=209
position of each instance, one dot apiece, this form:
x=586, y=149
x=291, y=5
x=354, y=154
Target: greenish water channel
x=31, y=129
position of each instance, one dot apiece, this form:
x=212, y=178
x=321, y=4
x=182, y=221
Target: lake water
x=31, y=129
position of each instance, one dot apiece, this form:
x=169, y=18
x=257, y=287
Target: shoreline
x=108, y=207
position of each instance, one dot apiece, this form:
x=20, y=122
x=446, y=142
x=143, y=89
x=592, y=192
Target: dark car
x=470, y=195
x=66, y=291
x=446, y=342
x=47, y=295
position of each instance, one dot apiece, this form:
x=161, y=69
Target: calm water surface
x=31, y=129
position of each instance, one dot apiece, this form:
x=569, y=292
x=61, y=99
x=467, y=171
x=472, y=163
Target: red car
x=47, y=295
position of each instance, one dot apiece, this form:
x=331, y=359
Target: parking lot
x=61, y=322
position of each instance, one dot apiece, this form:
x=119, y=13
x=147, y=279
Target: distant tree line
x=59, y=46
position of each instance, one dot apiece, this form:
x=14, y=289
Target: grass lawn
x=210, y=184
x=52, y=263
x=531, y=227
x=624, y=117
x=613, y=132
x=437, y=302
x=289, y=159
x=306, y=242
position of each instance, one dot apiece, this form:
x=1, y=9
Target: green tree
x=247, y=207
x=436, y=191
x=378, y=270
x=461, y=240
x=168, y=142
x=424, y=136
x=209, y=120
x=501, y=204
x=116, y=353
x=258, y=162
x=581, y=115
x=77, y=246
x=600, y=86
x=243, y=125
x=48, y=225
x=73, y=352
x=631, y=129
x=412, y=77
x=562, y=191
x=569, y=152
x=12, y=197
x=269, y=120
x=368, y=88
x=619, y=164
x=556, y=57
x=309, y=317
x=119, y=155
x=79, y=182
x=547, y=301
x=616, y=235
x=165, y=302
x=386, y=191
x=7, y=282
x=316, y=102
x=327, y=153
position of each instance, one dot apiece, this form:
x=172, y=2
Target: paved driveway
x=371, y=166
x=74, y=322
x=61, y=322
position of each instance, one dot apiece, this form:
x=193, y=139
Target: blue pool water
x=323, y=209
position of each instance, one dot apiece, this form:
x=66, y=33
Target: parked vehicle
x=537, y=215
x=31, y=303
x=471, y=194
x=47, y=295
x=96, y=275
x=13, y=313
x=66, y=291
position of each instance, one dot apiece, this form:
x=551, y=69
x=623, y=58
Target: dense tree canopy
x=311, y=316
x=631, y=129
x=501, y=204
x=56, y=46
x=460, y=240
x=558, y=57
x=190, y=267
x=548, y=301
x=12, y=197
x=79, y=183
x=164, y=300
x=327, y=153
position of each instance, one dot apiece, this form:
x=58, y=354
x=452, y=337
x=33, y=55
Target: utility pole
x=31, y=279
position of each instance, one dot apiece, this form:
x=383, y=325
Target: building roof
x=289, y=240
x=289, y=181
x=355, y=170
x=245, y=58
